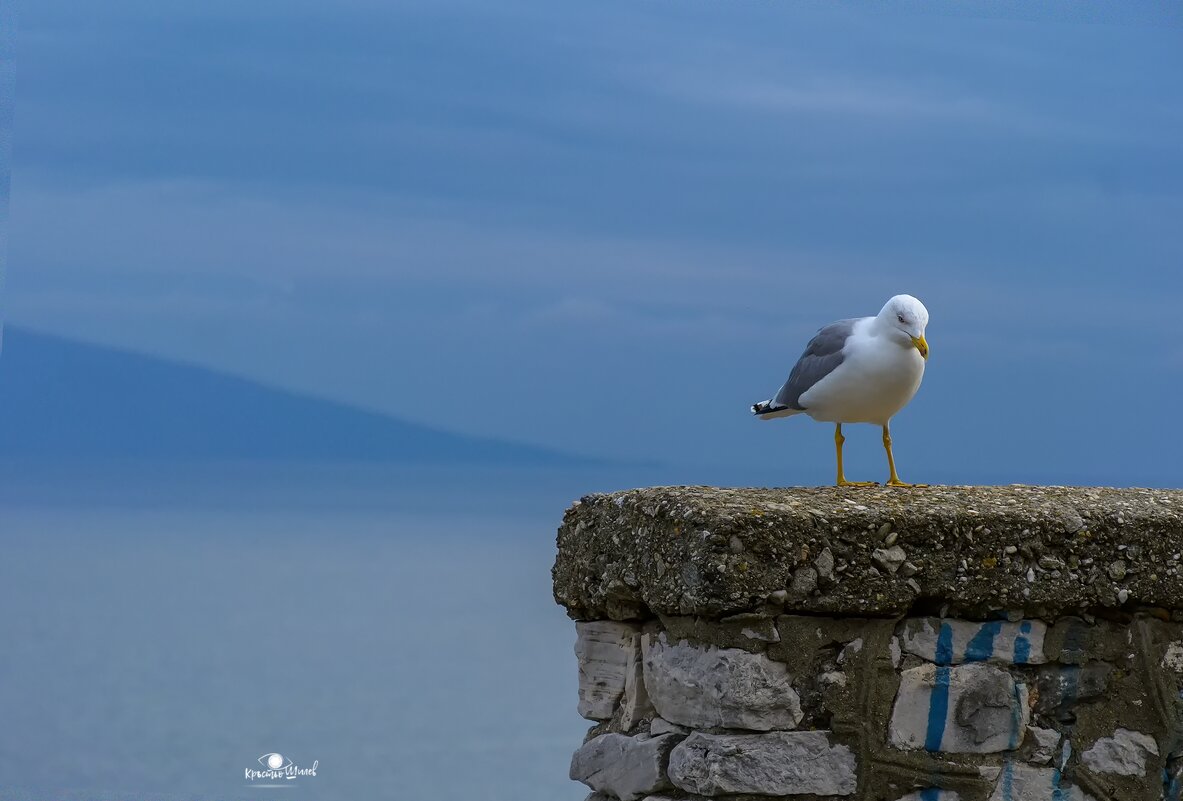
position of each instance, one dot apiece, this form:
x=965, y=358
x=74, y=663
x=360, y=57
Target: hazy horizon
x=611, y=243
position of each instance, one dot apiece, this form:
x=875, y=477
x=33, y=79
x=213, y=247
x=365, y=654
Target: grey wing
x=821, y=356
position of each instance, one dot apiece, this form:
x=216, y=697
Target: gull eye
x=900, y=317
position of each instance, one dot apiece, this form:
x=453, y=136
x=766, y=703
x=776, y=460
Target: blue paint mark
x=1016, y=718
x=930, y=794
x=1058, y=793
x=938, y=700
x=1022, y=646
x=1022, y=650
x=1174, y=787
x=1071, y=679
x=1008, y=782
x=944, y=654
x=938, y=710
x=981, y=647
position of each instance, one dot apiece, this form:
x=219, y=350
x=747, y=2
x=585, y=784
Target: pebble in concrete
x=889, y=559
x=707, y=687
x=605, y=650
x=627, y=768
x=777, y=763
x=1125, y=753
x=952, y=642
x=976, y=709
x=824, y=564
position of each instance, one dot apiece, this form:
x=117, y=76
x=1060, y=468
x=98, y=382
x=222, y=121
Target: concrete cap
x=879, y=551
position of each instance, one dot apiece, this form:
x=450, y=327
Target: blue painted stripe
x=938, y=710
x=1008, y=782
x=1022, y=645
x=1058, y=793
x=1070, y=677
x=930, y=794
x=1016, y=718
x=944, y=653
x=981, y=647
x=938, y=699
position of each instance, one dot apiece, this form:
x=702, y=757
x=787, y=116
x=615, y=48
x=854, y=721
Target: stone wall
x=945, y=644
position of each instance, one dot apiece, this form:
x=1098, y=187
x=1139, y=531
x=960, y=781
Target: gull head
x=905, y=318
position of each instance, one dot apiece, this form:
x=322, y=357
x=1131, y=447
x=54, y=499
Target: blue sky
x=610, y=226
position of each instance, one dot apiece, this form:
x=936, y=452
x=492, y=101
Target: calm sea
x=396, y=631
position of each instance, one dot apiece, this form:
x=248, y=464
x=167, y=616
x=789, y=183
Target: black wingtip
x=764, y=407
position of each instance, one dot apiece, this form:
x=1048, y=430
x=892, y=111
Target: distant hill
x=68, y=401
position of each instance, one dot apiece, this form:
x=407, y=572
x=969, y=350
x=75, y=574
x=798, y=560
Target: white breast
x=876, y=379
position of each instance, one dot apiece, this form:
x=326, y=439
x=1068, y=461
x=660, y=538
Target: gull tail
x=770, y=410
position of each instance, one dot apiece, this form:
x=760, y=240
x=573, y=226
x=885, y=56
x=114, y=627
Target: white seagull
x=858, y=371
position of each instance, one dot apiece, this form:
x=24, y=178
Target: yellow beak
x=921, y=345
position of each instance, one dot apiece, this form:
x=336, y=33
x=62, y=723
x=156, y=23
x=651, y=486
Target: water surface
x=155, y=648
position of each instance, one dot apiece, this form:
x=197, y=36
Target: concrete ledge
x=970, y=551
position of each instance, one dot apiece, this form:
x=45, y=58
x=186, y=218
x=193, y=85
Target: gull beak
x=921, y=345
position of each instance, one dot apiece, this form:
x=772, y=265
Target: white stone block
x=628, y=768
x=708, y=687
x=660, y=726
x=1046, y=741
x=969, y=709
x=776, y=763
x=635, y=705
x=605, y=650
x=1124, y=754
x=1019, y=782
x=952, y=642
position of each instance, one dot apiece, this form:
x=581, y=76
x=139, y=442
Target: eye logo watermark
x=277, y=767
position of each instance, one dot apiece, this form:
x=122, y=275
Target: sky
x=610, y=227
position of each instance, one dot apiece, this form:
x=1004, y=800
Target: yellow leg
x=894, y=481
x=842, y=482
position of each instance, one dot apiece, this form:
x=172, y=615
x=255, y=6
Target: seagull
x=862, y=370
